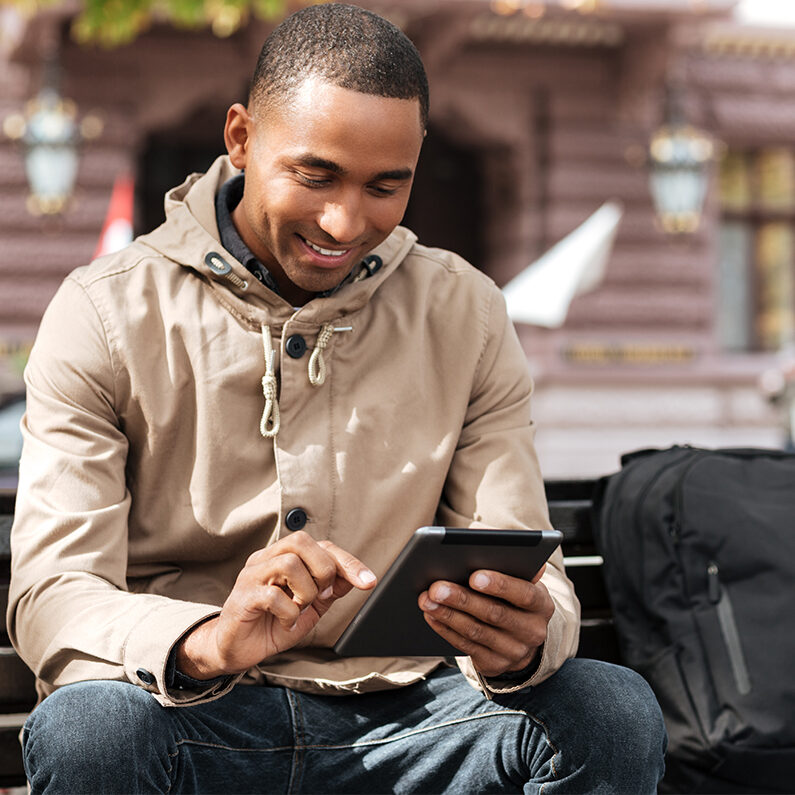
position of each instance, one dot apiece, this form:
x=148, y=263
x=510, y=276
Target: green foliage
x=114, y=22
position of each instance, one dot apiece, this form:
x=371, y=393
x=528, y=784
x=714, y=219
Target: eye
x=312, y=181
x=383, y=190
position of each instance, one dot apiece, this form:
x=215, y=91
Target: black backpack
x=699, y=563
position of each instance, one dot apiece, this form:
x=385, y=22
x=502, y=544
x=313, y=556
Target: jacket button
x=296, y=346
x=145, y=676
x=296, y=519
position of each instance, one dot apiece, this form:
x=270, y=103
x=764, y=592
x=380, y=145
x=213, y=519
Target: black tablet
x=391, y=624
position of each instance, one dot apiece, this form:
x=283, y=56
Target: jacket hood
x=189, y=236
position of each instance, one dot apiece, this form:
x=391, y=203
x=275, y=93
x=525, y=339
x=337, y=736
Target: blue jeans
x=592, y=728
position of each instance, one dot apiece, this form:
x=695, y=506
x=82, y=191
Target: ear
x=237, y=132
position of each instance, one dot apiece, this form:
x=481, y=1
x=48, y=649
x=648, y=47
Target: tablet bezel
x=391, y=624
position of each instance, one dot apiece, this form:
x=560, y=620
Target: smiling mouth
x=326, y=252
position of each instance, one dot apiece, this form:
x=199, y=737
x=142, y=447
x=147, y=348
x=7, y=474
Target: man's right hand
x=278, y=598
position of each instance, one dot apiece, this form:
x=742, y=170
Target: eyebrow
x=313, y=161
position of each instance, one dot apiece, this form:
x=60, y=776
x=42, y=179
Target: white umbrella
x=542, y=293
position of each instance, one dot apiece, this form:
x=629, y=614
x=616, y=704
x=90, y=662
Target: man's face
x=328, y=177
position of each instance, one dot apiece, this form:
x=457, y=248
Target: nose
x=343, y=218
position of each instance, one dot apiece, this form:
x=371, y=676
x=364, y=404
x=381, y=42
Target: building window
x=757, y=249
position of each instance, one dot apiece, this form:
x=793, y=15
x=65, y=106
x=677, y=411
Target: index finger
x=349, y=567
x=323, y=561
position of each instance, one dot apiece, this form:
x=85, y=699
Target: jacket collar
x=190, y=237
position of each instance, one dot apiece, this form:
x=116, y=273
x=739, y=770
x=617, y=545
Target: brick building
x=534, y=121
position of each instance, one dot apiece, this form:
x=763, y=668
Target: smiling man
x=233, y=427
x=328, y=179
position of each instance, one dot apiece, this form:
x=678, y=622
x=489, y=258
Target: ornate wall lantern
x=679, y=159
x=50, y=136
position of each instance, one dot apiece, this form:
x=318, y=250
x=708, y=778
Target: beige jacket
x=145, y=481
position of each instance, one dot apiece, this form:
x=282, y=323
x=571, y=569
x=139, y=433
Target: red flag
x=117, y=231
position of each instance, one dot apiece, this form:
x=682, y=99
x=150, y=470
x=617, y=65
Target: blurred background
x=679, y=113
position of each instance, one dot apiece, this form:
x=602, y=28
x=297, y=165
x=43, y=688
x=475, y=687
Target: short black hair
x=346, y=45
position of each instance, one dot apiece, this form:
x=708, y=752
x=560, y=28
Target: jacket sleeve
x=495, y=480
x=71, y=616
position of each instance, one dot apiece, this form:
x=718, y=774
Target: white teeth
x=324, y=251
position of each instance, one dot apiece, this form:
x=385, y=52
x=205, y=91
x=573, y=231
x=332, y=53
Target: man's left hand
x=499, y=621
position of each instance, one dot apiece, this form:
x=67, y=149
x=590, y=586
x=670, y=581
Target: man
x=234, y=426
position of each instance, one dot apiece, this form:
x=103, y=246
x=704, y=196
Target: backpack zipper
x=640, y=505
x=719, y=597
x=716, y=593
x=675, y=529
x=636, y=518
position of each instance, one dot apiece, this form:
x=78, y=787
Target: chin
x=317, y=283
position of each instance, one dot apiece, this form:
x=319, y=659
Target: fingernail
x=481, y=580
x=366, y=576
x=442, y=592
x=430, y=604
x=327, y=592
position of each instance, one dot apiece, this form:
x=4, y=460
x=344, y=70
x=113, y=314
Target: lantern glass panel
x=678, y=194
x=51, y=171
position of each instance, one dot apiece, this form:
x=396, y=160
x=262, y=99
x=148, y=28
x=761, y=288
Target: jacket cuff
x=177, y=682
x=147, y=651
x=524, y=675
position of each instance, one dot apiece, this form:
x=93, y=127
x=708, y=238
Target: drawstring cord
x=316, y=370
x=317, y=365
x=269, y=424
